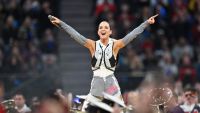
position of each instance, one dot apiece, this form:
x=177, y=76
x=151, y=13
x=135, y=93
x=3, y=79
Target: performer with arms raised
x=104, y=54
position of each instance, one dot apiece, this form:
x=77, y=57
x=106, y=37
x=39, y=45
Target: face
x=104, y=30
x=19, y=100
x=190, y=97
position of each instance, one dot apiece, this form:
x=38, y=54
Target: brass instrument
x=9, y=106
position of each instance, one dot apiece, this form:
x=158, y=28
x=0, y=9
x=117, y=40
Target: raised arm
x=72, y=32
x=133, y=34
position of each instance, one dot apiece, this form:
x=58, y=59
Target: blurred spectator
x=198, y=64
x=45, y=11
x=196, y=29
x=187, y=72
x=33, y=58
x=125, y=19
x=169, y=68
x=103, y=10
x=51, y=105
x=162, y=47
x=149, y=59
x=15, y=60
x=180, y=19
x=173, y=106
x=135, y=62
x=26, y=32
x=48, y=47
x=102, y=5
x=12, y=8
x=9, y=32
x=190, y=101
x=35, y=104
x=178, y=89
x=20, y=103
x=182, y=48
x=55, y=102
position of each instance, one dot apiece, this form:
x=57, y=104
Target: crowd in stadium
x=172, y=45
x=27, y=40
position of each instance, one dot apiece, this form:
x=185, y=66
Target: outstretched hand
x=151, y=20
x=55, y=21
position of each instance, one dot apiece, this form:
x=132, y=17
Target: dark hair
x=104, y=21
x=193, y=90
x=19, y=93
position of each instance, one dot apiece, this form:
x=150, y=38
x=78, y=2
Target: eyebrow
x=104, y=26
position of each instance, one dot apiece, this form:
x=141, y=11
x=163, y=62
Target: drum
x=159, y=97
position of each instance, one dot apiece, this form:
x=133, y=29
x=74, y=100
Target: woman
x=104, y=54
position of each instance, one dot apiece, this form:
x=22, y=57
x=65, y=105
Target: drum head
x=160, y=96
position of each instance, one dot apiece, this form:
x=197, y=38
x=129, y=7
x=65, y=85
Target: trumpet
x=8, y=104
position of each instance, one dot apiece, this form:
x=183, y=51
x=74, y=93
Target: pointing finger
x=155, y=16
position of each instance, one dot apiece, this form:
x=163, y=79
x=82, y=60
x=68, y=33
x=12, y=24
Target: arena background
x=36, y=57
